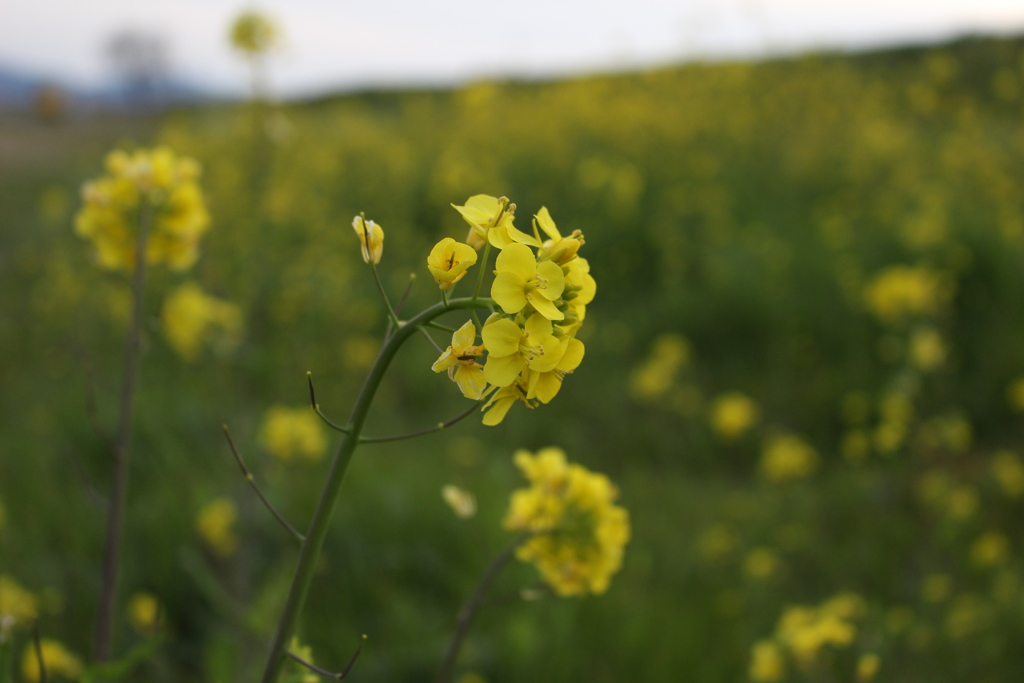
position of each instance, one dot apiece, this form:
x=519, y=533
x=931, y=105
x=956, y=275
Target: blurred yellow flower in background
x=192, y=319
x=254, y=33
x=787, y=456
x=927, y=351
x=293, y=433
x=462, y=502
x=991, y=548
x=733, y=414
x=761, y=563
x=767, y=662
x=143, y=610
x=1015, y=395
x=653, y=378
x=216, y=526
x=57, y=659
x=867, y=667
x=898, y=293
x=155, y=186
x=577, y=532
x=1008, y=471
x=17, y=605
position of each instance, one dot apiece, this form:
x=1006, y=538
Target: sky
x=332, y=44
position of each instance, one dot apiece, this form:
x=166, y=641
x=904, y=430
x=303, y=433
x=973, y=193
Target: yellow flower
x=503, y=399
x=215, y=524
x=732, y=414
x=1009, y=472
x=56, y=658
x=1015, y=395
x=546, y=385
x=17, y=605
x=143, y=610
x=927, y=352
x=512, y=349
x=371, y=238
x=462, y=502
x=867, y=667
x=459, y=360
x=900, y=292
x=290, y=433
x=490, y=219
x=761, y=563
x=990, y=549
x=580, y=288
x=936, y=587
x=767, y=664
x=521, y=281
x=253, y=33
x=559, y=249
x=152, y=185
x=448, y=262
x=652, y=379
x=787, y=456
x=578, y=533
x=191, y=318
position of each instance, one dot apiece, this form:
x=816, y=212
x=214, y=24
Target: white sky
x=331, y=43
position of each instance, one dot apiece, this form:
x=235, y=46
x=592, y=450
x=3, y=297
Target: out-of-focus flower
x=787, y=456
x=652, y=379
x=490, y=220
x=57, y=659
x=716, y=543
x=371, y=238
x=521, y=281
x=460, y=360
x=577, y=532
x=1009, y=472
x=155, y=186
x=192, y=319
x=867, y=667
x=936, y=588
x=1015, y=395
x=448, y=262
x=927, y=352
x=143, y=610
x=253, y=33
x=902, y=292
x=216, y=526
x=732, y=414
x=761, y=563
x=767, y=662
x=462, y=502
x=17, y=605
x=293, y=433
x=991, y=548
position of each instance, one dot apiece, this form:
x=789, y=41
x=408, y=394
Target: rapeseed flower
x=155, y=186
x=17, y=605
x=576, y=532
x=521, y=281
x=901, y=292
x=371, y=238
x=460, y=360
x=490, y=220
x=253, y=33
x=787, y=456
x=293, y=433
x=652, y=379
x=143, y=610
x=192, y=319
x=1009, y=473
x=546, y=385
x=462, y=502
x=767, y=662
x=556, y=248
x=448, y=262
x=512, y=349
x=57, y=659
x=215, y=524
x=502, y=400
x=733, y=414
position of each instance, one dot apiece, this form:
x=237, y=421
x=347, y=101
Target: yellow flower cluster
x=902, y=292
x=155, y=186
x=803, y=632
x=193, y=319
x=291, y=433
x=56, y=658
x=17, y=605
x=253, y=33
x=215, y=524
x=542, y=287
x=732, y=414
x=787, y=456
x=653, y=378
x=577, y=533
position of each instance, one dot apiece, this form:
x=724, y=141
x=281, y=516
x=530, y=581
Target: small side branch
x=316, y=407
x=430, y=339
x=252, y=482
x=330, y=674
x=437, y=428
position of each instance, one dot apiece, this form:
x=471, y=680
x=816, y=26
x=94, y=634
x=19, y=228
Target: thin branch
x=439, y=326
x=37, y=641
x=316, y=407
x=330, y=674
x=472, y=605
x=252, y=482
x=387, y=302
x=430, y=339
x=436, y=428
x=405, y=294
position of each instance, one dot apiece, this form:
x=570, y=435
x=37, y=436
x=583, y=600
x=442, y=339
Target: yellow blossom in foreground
x=512, y=349
x=253, y=33
x=459, y=360
x=448, y=262
x=155, y=186
x=143, y=610
x=732, y=414
x=767, y=663
x=556, y=248
x=502, y=400
x=57, y=659
x=786, y=457
x=546, y=385
x=215, y=524
x=490, y=220
x=191, y=319
x=1009, y=472
x=578, y=531
x=522, y=281
x=462, y=502
x=371, y=238
x=291, y=433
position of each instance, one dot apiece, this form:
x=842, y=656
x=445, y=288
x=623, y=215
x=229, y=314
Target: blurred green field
x=840, y=239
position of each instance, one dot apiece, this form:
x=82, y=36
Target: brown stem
x=122, y=451
x=437, y=428
x=471, y=607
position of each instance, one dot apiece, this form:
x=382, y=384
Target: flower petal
x=518, y=259
x=447, y=360
x=547, y=224
x=464, y=337
x=503, y=371
x=509, y=290
x=551, y=272
x=546, y=308
x=470, y=379
x=501, y=338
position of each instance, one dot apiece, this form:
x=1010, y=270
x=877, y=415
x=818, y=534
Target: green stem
x=483, y=267
x=384, y=295
x=311, y=547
